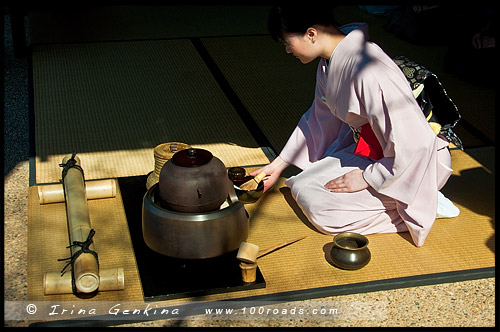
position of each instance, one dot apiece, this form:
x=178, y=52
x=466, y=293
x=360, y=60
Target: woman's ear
x=312, y=34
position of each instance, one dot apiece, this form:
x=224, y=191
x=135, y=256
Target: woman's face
x=300, y=46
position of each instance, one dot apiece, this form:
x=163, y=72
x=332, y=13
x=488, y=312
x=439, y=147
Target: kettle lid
x=191, y=157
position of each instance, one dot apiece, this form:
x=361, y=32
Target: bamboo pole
x=85, y=266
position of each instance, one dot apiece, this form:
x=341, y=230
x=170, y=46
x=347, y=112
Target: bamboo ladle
x=249, y=252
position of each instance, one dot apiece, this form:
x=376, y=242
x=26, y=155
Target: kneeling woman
x=370, y=161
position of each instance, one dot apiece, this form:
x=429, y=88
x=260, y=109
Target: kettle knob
x=191, y=153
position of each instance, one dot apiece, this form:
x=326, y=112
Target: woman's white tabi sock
x=446, y=208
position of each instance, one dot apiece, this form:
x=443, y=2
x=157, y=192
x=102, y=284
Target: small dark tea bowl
x=248, y=196
x=238, y=177
x=350, y=251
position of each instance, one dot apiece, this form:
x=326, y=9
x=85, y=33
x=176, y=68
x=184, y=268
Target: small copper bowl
x=350, y=251
x=238, y=177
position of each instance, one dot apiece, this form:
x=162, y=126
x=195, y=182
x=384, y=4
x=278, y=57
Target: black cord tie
x=84, y=248
x=71, y=163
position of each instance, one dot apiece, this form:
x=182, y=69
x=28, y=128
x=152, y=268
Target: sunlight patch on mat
x=123, y=163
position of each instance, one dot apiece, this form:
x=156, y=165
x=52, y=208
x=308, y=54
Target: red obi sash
x=368, y=145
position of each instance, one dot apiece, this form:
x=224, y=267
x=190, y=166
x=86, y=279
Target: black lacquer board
x=164, y=277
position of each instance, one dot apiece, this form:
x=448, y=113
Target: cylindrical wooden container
x=110, y=279
x=248, y=271
x=95, y=189
x=162, y=154
x=85, y=267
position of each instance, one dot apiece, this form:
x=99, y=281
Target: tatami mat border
x=261, y=300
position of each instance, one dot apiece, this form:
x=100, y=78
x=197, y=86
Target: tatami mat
x=81, y=22
x=114, y=102
x=458, y=244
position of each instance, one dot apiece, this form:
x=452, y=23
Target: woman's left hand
x=350, y=182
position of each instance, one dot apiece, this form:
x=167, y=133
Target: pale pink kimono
x=361, y=84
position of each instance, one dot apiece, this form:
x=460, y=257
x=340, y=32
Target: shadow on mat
x=474, y=190
x=326, y=250
x=291, y=202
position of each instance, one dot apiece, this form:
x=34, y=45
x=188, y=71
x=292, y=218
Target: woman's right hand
x=273, y=171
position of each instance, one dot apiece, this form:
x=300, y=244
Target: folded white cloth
x=446, y=208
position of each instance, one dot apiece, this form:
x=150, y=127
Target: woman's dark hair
x=297, y=19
